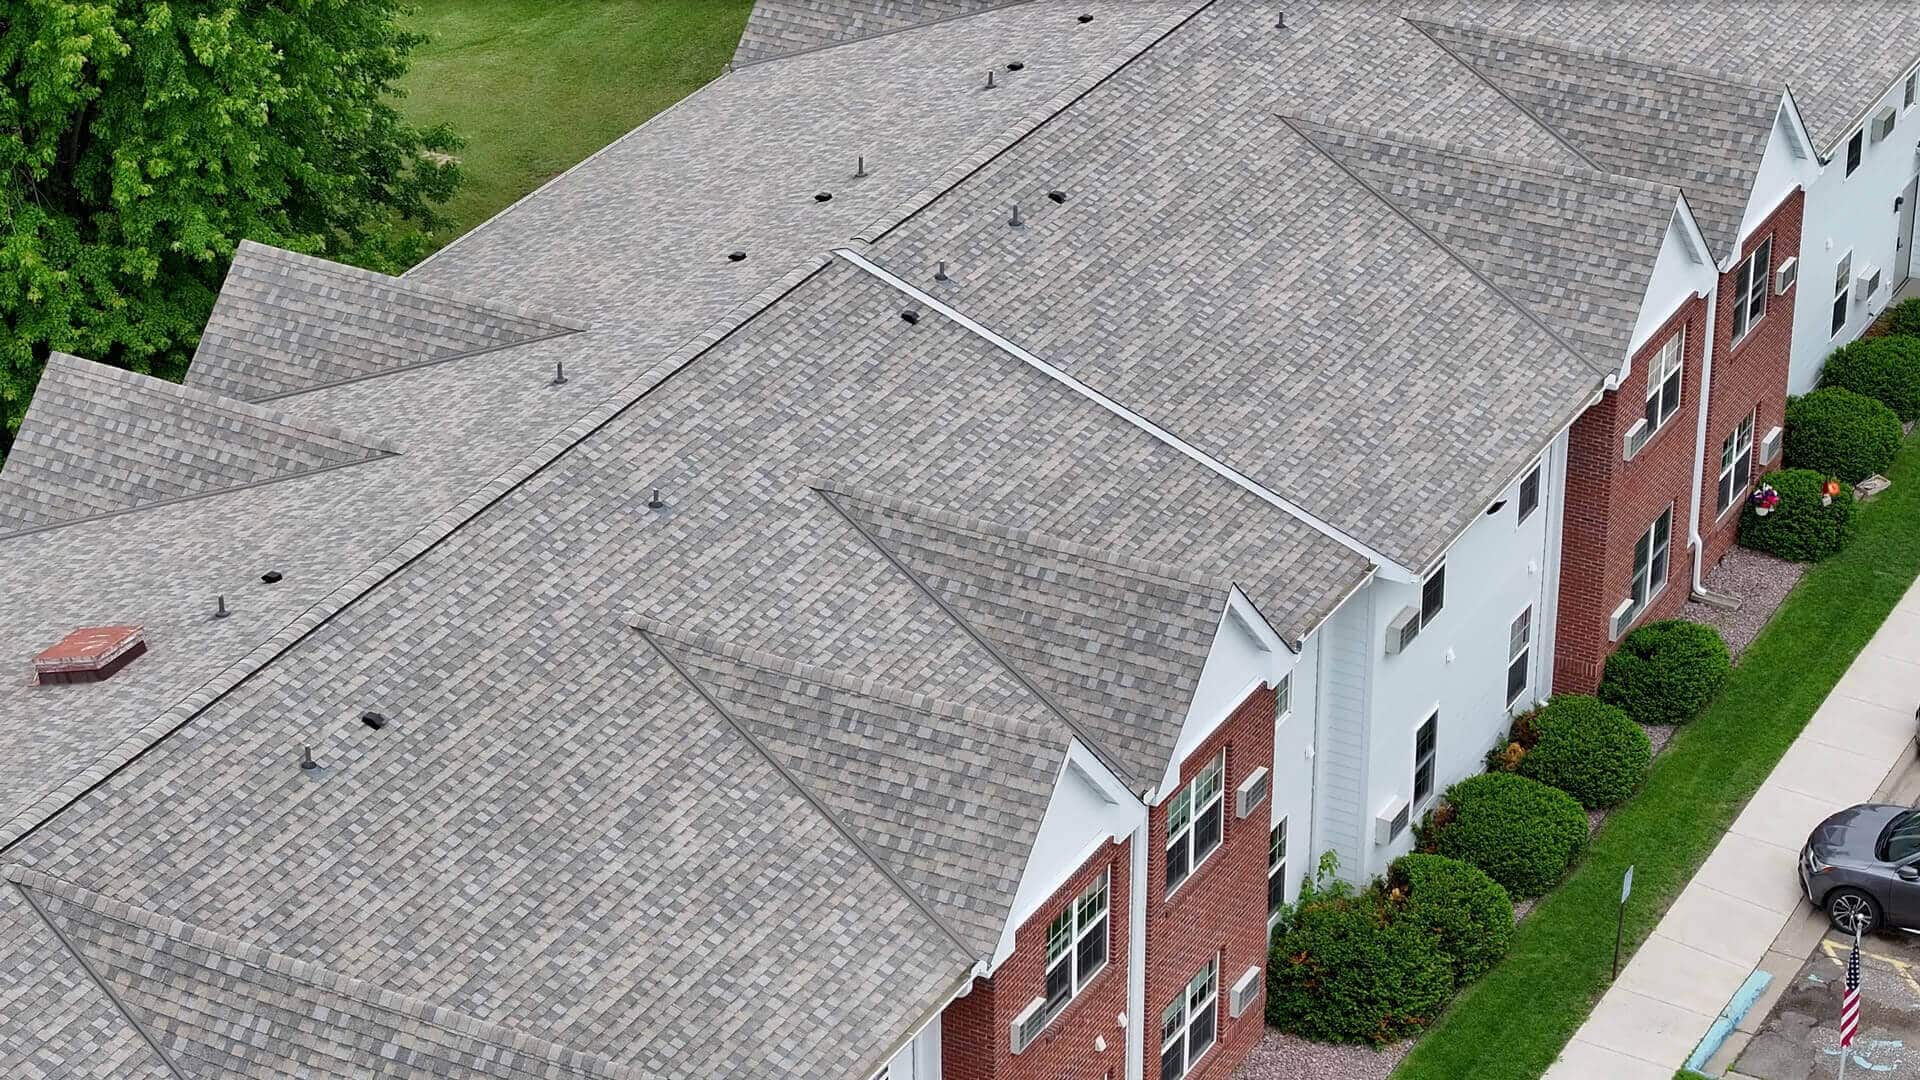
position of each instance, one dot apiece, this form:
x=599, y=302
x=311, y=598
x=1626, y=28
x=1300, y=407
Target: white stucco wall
x=1293, y=754
x=1850, y=213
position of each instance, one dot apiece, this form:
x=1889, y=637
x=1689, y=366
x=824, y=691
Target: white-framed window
x=1736, y=464
x=1283, y=697
x=1842, y=287
x=1529, y=494
x=1519, y=654
x=1750, y=289
x=1650, y=563
x=1189, y=1023
x=1076, y=946
x=1276, y=871
x=1665, y=377
x=1195, y=815
x=1426, y=740
x=1855, y=147
x=1912, y=89
x=1433, y=595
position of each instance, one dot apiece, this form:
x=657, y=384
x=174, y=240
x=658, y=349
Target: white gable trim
x=1247, y=653
x=1683, y=271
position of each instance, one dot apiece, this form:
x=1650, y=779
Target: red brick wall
x=1221, y=907
x=1611, y=502
x=976, y=1030
x=1748, y=377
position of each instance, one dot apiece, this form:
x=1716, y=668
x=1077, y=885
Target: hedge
x=1666, y=672
x=1884, y=368
x=1347, y=971
x=1904, y=318
x=1466, y=912
x=1583, y=746
x=1800, y=527
x=1520, y=832
x=1837, y=432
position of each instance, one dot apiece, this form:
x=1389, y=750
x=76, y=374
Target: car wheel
x=1851, y=908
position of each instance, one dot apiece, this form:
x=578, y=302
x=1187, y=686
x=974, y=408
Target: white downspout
x=1136, y=1026
x=1694, y=540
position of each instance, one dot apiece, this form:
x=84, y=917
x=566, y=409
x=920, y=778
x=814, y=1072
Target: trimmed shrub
x=1520, y=832
x=1903, y=318
x=1886, y=369
x=1840, y=433
x=1666, y=672
x=1466, y=912
x=1345, y=971
x=1800, y=527
x=1589, y=749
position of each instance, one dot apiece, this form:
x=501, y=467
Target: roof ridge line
x=1167, y=438
x=991, y=148
x=870, y=686
x=426, y=537
x=1489, y=157
x=99, y=983
x=819, y=805
x=1524, y=310
x=432, y=361
x=737, y=66
x=454, y=1021
x=1547, y=41
x=1424, y=29
x=419, y=288
x=1074, y=549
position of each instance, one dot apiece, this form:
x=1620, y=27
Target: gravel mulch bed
x=1760, y=581
x=1286, y=1057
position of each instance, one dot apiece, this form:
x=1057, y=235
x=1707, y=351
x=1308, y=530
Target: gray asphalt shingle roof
x=783, y=27
x=98, y=440
x=55, y=1022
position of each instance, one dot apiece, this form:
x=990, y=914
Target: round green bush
x=1800, y=527
x=1465, y=911
x=1841, y=433
x=1904, y=318
x=1666, y=672
x=1346, y=971
x=1520, y=832
x=1886, y=369
x=1589, y=749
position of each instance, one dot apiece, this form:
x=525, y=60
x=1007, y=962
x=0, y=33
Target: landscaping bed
x=1759, y=581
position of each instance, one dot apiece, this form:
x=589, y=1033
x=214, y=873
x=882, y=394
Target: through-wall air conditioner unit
x=1784, y=277
x=1254, y=790
x=1770, y=446
x=1392, y=821
x=1402, y=630
x=1245, y=991
x=1637, y=436
x=1029, y=1024
x=1868, y=280
x=1883, y=122
x=1622, y=615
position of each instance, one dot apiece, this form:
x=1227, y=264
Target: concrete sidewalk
x=1746, y=896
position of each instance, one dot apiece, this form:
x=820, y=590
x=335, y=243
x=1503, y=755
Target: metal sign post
x=1620, y=923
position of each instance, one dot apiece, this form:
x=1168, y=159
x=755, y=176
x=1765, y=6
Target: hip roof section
x=783, y=27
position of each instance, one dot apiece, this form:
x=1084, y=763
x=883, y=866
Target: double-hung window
x=1664, y=378
x=1529, y=494
x=1855, y=146
x=1187, y=1026
x=1913, y=88
x=1076, y=946
x=1426, y=739
x=1842, y=286
x=1736, y=464
x=1194, y=818
x=1276, y=871
x=1283, y=696
x=1750, y=289
x=1519, y=650
x=1433, y=595
x=1650, y=563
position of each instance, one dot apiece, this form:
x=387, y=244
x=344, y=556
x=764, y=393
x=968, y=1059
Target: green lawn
x=1514, y=1021
x=536, y=85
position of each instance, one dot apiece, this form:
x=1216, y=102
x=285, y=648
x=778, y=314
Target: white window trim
x=1279, y=868
x=1843, y=292
x=1846, y=153
x=1525, y=652
x=1187, y=1016
x=1666, y=578
x=1185, y=835
x=1283, y=697
x=1668, y=363
x=1080, y=980
x=1728, y=468
x=1758, y=284
x=1539, y=476
x=1418, y=802
x=1439, y=572
x=1910, y=90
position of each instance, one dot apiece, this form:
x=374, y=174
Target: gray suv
x=1862, y=865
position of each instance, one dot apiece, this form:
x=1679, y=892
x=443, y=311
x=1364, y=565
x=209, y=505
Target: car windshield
x=1901, y=839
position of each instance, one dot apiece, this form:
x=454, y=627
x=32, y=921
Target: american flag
x=1850, y=1005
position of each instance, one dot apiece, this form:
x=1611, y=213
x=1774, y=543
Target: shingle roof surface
x=1705, y=132
x=949, y=796
x=98, y=440
x=287, y=322
x=1575, y=246
x=55, y=1022
x=781, y=27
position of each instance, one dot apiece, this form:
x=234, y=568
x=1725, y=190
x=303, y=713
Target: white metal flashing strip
x=1389, y=568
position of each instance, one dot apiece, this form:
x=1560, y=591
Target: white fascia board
x=1683, y=271
x=1246, y=654
x=1388, y=566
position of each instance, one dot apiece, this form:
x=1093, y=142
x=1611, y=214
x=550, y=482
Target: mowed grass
x=536, y=85
x=1514, y=1022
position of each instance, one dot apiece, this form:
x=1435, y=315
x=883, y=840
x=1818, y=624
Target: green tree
x=141, y=140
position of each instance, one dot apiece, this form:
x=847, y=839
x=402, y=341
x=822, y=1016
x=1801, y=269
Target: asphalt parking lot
x=1799, y=1039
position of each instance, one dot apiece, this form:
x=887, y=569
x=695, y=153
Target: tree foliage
x=141, y=140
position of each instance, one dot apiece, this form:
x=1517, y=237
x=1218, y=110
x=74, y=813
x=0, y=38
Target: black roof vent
x=271, y=577
x=374, y=720
x=1016, y=65
x=1057, y=196
x=824, y=196
x=1086, y=18
x=910, y=316
x=307, y=764
x=736, y=256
